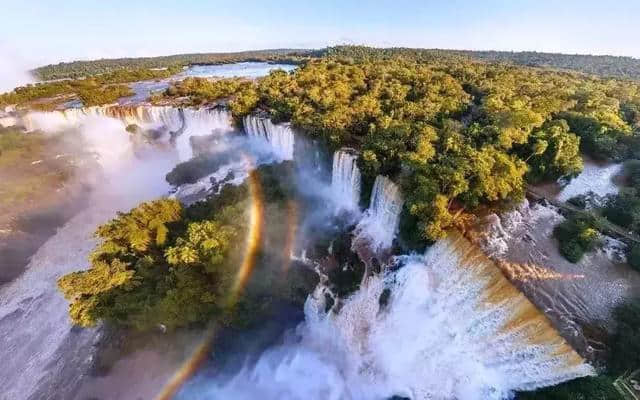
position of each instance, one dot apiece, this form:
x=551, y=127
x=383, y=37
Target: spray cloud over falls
x=13, y=73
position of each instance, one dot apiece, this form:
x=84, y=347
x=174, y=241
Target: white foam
x=381, y=220
x=437, y=338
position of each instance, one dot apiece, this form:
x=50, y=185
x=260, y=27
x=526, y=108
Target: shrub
x=579, y=201
x=589, y=388
x=634, y=257
x=625, y=344
x=577, y=235
x=632, y=173
x=572, y=251
x=624, y=209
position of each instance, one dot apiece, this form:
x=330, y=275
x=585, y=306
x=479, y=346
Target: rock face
x=578, y=298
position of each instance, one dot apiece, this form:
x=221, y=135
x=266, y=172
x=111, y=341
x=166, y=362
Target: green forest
x=78, y=69
x=456, y=135
x=604, y=66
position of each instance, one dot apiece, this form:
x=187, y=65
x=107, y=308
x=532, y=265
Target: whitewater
x=35, y=331
x=452, y=327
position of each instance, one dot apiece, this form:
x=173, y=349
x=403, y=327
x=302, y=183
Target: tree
x=625, y=343
x=624, y=209
x=634, y=257
x=554, y=152
x=577, y=235
x=154, y=267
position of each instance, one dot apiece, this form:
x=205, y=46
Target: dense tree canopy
x=606, y=66
x=201, y=90
x=78, y=69
x=454, y=133
x=165, y=264
x=155, y=266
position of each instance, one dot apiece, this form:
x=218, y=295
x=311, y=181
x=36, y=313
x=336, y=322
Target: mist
x=13, y=71
x=115, y=178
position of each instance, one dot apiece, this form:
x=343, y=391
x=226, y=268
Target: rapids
x=578, y=298
x=451, y=326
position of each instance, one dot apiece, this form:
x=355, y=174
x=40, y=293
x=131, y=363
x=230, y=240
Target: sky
x=36, y=32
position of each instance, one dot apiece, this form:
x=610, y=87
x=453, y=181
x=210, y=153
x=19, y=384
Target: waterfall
x=452, y=327
x=183, y=123
x=201, y=122
x=146, y=117
x=345, y=179
x=34, y=323
x=381, y=220
x=280, y=136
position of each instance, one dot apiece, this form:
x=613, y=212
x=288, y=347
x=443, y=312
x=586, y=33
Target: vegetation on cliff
x=155, y=266
x=198, y=91
x=455, y=133
x=577, y=235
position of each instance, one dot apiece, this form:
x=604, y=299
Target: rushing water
x=37, y=343
x=593, y=178
x=345, y=179
x=452, y=328
x=201, y=122
x=144, y=116
x=185, y=123
x=380, y=222
x=280, y=136
x=580, y=297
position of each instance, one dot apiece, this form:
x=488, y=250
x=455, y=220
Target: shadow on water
x=30, y=231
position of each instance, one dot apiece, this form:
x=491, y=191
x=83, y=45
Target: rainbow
x=254, y=241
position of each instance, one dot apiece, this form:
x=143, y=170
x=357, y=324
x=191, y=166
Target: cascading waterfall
x=183, y=123
x=201, y=122
x=280, y=136
x=381, y=220
x=345, y=179
x=452, y=327
x=146, y=117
